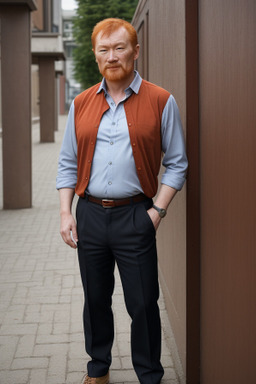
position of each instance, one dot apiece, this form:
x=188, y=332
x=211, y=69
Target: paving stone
x=76, y=327
x=38, y=376
x=15, y=315
x=45, y=329
x=25, y=346
x=167, y=361
x=61, y=328
x=46, y=350
x=29, y=362
x=126, y=376
x=76, y=349
x=18, y=329
x=57, y=366
x=74, y=377
x=14, y=377
x=124, y=348
x=116, y=363
x=55, y=380
x=126, y=362
x=8, y=346
x=170, y=374
x=77, y=365
x=52, y=339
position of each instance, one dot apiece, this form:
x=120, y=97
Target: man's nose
x=112, y=56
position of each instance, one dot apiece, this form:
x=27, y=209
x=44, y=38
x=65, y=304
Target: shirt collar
x=134, y=86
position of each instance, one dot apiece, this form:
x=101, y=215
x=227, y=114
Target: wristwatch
x=161, y=211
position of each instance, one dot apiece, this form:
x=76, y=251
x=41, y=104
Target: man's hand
x=164, y=197
x=68, y=227
x=154, y=216
x=67, y=221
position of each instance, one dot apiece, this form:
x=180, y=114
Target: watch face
x=162, y=212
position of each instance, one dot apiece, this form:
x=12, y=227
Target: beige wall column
x=47, y=99
x=16, y=103
x=62, y=94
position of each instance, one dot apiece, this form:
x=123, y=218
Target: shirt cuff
x=65, y=182
x=173, y=181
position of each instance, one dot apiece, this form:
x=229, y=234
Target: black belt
x=111, y=203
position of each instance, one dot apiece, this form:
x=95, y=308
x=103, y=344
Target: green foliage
x=90, y=12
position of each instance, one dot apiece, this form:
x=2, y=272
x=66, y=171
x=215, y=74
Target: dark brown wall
x=228, y=185
x=48, y=121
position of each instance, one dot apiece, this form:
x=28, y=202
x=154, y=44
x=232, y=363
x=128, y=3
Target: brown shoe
x=96, y=380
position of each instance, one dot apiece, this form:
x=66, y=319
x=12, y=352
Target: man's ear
x=136, y=52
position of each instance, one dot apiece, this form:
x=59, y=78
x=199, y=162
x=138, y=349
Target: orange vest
x=143, y=114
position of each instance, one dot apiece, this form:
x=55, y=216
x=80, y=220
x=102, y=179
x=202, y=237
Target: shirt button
x=110, y=163
x=110, y=182
x=113, y=123
x=111, y=143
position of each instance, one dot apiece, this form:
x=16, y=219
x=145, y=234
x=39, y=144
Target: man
x=110, y=157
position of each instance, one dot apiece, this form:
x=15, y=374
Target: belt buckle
x=106, y=203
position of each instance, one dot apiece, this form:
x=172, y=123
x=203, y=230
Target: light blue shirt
x=113, y=172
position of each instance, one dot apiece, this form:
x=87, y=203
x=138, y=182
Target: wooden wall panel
x=228, y=185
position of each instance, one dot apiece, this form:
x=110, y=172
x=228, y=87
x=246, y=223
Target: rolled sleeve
x=67, y=165
x=173, y=146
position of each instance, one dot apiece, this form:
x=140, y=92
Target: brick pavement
x=41, y=299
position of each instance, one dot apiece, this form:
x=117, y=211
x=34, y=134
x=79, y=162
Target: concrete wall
x=35, y=92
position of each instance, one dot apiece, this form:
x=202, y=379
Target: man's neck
x=116, y=89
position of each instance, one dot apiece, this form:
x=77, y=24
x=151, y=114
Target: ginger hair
x=108, y=26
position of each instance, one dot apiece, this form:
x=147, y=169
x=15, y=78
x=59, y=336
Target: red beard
x=117, y=74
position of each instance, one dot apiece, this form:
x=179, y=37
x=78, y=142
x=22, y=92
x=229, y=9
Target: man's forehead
x=120, y=34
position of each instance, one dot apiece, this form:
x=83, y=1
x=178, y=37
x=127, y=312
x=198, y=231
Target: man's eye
x=103, y=50
x=120, y=48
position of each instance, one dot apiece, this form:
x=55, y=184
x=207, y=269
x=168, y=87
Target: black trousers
x=126, y=236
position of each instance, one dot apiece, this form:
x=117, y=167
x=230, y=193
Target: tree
x=90, y=12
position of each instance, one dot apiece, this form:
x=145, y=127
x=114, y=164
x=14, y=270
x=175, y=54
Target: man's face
x=115, y=55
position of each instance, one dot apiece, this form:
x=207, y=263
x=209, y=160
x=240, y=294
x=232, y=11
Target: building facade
x=48, y=66
x=73, y=88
